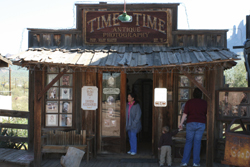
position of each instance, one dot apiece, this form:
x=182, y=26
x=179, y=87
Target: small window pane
x=51, y=120
x=65, y=107
x=66, y=93
x=181, y=107
x=50, y=77
x=66, y=80
x=243, y=111
x=235, y=111
x=183, y=81
x=51, y=107
x=66, y=120
x=184, y=94
x=199, y=79
x=52, y=93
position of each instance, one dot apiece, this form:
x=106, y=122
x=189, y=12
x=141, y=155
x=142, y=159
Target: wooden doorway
x=142, y=85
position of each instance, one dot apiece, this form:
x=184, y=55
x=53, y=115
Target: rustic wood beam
x=191, y=78
x=13, y=139
x=51, y=83
x=123, y=111
x=14, y=113
x=15, y=126
x=38, y=118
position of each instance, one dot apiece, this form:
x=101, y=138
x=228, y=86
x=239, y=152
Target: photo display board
x=233, y=103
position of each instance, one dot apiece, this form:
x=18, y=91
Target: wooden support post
x=211, y=119
x=31, y=112
x=123, y=111
x=99, y=114
x=37, y=118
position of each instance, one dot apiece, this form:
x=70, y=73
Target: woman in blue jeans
x=196, y=113
x=133, y=122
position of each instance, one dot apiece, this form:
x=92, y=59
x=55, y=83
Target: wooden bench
x=55, y=141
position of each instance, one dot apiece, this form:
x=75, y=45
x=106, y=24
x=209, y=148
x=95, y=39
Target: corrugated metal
x=125, y=55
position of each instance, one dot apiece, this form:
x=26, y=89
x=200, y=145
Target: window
x=59, y=100
x=186, y=88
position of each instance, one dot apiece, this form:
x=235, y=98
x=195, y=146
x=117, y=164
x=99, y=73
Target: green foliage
x=19, y=93
x=236, y=76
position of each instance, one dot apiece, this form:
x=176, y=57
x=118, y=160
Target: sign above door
x=147, y=27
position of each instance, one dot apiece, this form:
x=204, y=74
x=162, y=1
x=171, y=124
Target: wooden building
x=118, y=57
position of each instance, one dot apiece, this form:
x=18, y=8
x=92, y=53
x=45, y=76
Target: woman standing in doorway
x=133, y=122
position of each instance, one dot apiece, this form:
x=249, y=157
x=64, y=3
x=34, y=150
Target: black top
x=166, y=139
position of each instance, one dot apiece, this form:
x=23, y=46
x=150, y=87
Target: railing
x=14, y=113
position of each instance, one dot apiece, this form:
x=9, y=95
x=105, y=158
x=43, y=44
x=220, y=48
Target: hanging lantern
x=124, y=17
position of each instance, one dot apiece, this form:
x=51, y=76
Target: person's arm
x=184, y=116
x=174, y=132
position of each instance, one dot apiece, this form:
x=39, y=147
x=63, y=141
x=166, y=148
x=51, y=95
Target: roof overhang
x=125, y=56
x=4, y=62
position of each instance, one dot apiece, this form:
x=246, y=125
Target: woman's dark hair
x=197, y=93
x=133, y=96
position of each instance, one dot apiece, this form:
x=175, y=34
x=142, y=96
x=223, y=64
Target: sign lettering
x=146, y=27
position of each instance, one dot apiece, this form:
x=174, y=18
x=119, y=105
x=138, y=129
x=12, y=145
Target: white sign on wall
x=160, y=97
x=89, y=98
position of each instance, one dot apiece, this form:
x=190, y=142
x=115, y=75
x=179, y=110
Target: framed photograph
x=53, y=70
x=199, y=79
x=184, y=81
x=106, y=122
x=65, y=107
x=65, y=93
x=65, y=120
x=113, y=123
x=243, y=111
x=184, y=94
x=51, y=107
x=110, y=113
x=110, y=100
x=51, y=120
x=52, y=93
x=50, y=77
x=235, y=111
x=66, y=80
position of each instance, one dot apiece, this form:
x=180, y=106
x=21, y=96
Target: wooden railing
x=14, y=113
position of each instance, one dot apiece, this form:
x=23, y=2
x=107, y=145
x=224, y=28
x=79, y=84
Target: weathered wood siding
x=200, y=38
x=162, y=116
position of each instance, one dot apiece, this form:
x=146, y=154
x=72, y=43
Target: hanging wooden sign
x=146, y=27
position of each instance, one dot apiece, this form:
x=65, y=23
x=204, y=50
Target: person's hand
x=159, y=148
x=180, y=127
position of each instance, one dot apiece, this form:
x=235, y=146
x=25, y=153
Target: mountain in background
x=237, y=38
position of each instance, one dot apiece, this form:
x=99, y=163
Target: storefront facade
x=107, y=58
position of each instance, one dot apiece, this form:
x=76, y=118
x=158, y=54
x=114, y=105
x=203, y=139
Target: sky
x=18, y=15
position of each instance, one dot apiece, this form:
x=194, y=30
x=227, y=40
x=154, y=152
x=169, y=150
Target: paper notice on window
x=160, y=97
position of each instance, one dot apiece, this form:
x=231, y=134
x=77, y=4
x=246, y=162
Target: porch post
x=37, y=117
x=211, y=74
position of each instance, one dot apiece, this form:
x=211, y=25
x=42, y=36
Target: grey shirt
x=134, y=121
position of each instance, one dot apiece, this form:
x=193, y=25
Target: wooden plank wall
x=200, y=38
x=89, y=116
x=162, y=116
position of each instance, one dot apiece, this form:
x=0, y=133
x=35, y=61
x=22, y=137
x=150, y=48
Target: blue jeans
x=132, y=141
x=194, y=132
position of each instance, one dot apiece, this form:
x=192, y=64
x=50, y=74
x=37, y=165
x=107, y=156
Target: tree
x=236, y=76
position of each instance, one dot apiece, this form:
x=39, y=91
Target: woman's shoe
x=132, y=153
x=129, y=152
